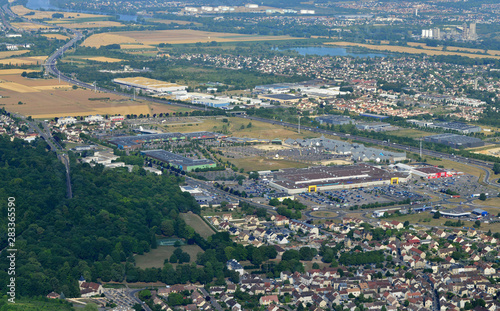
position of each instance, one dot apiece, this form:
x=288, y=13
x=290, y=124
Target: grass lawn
x=324, y=214
x=459, y=167
x=413, y=133
x=493, y=202
x=32, y=304
x=197, y=224
x=156, y=257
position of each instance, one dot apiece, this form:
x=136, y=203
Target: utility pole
x=134, y=93
x=95, y=86
x=59, y=75
x=299, y=123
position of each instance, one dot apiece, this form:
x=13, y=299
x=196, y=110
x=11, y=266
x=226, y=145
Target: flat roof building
x=322, y=178
x=455, y=141
x=179, y=161
x=149, y=85
x=458, y=126
x=132, y=142
x=281, y=98
x=334, y=119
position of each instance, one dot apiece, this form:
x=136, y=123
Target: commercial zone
x=455, y=141
x=134, y=142
x=323, y=178
x=178, y=161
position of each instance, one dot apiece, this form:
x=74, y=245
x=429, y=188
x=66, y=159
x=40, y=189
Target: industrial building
x=179, y=161
x=375, y=116
x=216, y=103
x=357, y=152
x=335, y=120
x=148, y=85
x=431, y=172
x=281, y=98
x=480, y=212
x=375, y=126
x=321, y=178
x=458, y=126
x=134, y=142
x=455, y=141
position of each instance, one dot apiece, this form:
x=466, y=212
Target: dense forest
x=113, y=215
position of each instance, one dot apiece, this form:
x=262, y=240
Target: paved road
x=214, y=302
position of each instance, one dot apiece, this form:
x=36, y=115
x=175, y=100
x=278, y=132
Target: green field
x=29, y=304
x=156, y=257
x=410, y=133
x=195, y=222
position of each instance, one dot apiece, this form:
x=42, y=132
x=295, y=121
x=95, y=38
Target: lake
x=334, y=51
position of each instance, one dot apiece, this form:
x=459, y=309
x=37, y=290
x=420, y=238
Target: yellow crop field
x=16, y=87
x=95, y=24
x=28, y=26
x=21, y=10
x=104, y=59
x=136, y=47
x=170, y=21
x=172, y=37
x=55, y=36
x=411, y=50
x=33, y=60
x=5, y=54
x=52, y=87
x=14, y=71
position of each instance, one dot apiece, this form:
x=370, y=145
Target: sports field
x=411, y=50
x=195, y=222
x=171, y=37
x=156, y=257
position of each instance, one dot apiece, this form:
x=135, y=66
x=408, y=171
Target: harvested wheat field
x=172, y=37
x=104, y=59
x=95, y=24
x=411, y=50
x=136, y=47
x=56, y=36
x=29, y=26
x=5, y=54
x=14, y=71
x=47, y=98
x=21, y=10
x=31, y=60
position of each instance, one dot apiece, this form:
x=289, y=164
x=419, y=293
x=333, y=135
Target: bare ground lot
x=197, y=224
x=156, y=257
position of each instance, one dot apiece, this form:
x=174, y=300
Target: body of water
x=334, y=51
x=45, y=5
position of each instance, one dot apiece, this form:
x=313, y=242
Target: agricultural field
x=195, y=222
x=5, y=54
x=171, y=21
x=29, y=60
x=47, y=98
x=21, y=11
x=104, y=59
x=410, y=50
x=29, y=26
x=156, y=257
x=88, y=24
x=56, y=36
x=171, y=37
